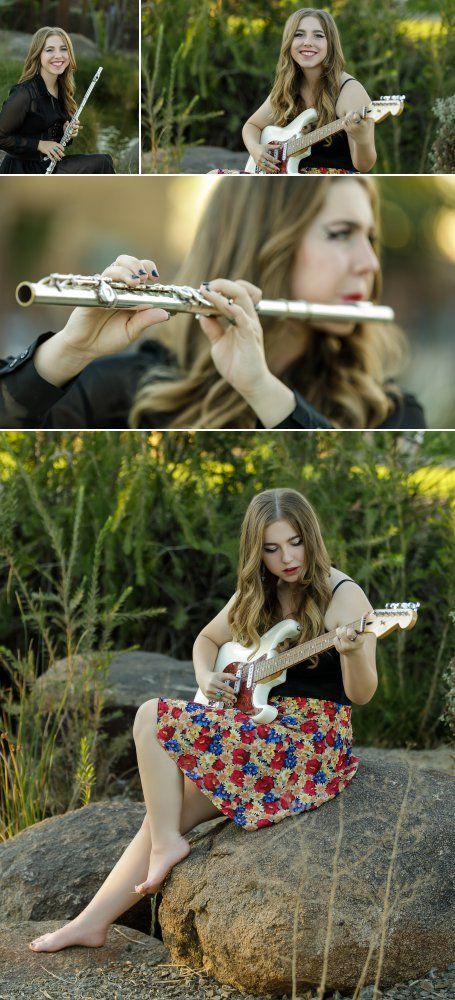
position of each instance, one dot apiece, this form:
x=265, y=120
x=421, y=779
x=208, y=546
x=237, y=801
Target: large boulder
x=51, y=870
x=130, y=679
x=363, y=881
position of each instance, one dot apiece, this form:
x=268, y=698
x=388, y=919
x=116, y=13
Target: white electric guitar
x=289, y=146
x=256, y=677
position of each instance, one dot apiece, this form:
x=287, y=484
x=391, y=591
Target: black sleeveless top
x=334, y=153
x=324, y=681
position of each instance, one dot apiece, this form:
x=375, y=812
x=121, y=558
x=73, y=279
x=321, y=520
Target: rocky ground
x=203, y=159
x=135, y=967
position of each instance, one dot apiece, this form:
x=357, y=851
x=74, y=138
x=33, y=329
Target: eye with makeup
x=317, y=34
x=274, y=548
x=346, y=231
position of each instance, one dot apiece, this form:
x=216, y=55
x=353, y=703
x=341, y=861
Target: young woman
x=302, y=238
x=198, y=762
x=310, y=74
x=35, y=115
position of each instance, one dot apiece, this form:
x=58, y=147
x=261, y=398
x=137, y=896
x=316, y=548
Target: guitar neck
x=291, y=657
x=301, y=142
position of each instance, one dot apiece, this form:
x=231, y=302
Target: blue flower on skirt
x=222, y=792
x=194, y=775
x=290, y=759
x=247, y=725
x=318, y=736
x=239, y=816
x=201, y=719
x=289, y=720
x=338, y=742
x=269, y=797
x=273, y=737
x=320, y=778
x=172, y=745
x=193, y=706
x=215, y=747
x=250, y=768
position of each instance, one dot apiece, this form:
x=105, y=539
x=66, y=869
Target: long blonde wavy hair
x=286, y=99
x=32, y=65
x=251, y=229
x=257, y=607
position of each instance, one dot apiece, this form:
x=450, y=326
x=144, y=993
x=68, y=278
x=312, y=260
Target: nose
x=287, y=556
x=365, y=257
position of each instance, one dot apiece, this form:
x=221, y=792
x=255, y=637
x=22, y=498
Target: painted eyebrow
x=349, y=222
x=291, y=539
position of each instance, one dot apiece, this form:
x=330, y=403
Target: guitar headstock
x=387, y=105
x=386, y=620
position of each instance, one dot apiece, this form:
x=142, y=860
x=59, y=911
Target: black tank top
x=335, y=153
x=324, y=681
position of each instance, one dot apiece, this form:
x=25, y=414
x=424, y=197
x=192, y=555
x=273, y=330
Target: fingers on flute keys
x=132, y=270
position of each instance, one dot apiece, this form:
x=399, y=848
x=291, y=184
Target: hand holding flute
x=91, y=333
x=235, y=336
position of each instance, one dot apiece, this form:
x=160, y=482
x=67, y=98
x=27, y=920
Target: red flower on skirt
x=262, y=731
x=309, y=787
x=237, y=778
x=330, y=710
x=330, y=737
x=271, y=807
x=263, y=822
x=333, y=786
x=166, y=733
x=264, y=784
x=278, y=759
x=286, y=800
x=218, y=765
x=247, y=736
x=310, y=726
x=312, y=766
x=187, y=761
x=342, y=762
x=211, y=781
x=202, y=742
x=240, y=756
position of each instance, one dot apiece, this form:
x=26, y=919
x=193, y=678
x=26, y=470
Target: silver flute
x=69, y=128
x=94, y=290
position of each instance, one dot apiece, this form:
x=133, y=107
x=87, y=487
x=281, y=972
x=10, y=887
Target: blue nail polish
x=134, y=275
x=206, y=284
x=142, y=272
x=155, y=273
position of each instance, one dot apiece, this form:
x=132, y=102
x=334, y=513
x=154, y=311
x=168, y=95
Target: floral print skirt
x=258, y=774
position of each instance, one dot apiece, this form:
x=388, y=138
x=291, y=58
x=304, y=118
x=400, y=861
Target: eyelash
x=341, y=234
x=272, y=551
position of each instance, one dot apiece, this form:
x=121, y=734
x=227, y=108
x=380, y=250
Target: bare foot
x=71, y=934
x=161, y=863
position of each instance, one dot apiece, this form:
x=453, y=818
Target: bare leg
x=117, y=893
x=162, y=784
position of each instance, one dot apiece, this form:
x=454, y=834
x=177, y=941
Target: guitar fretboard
x=298, y=653
x=301, y=142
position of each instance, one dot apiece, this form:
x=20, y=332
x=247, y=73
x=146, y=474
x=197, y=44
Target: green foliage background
x=229, y=52
x=169, y=508
x=110, y=119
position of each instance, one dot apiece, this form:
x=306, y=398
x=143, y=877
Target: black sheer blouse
x=31, y=114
